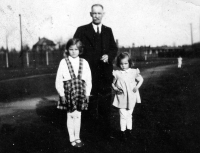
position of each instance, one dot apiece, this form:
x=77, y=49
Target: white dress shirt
x=64, y=75
x=95, y=27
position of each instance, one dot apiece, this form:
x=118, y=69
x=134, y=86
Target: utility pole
x=7, y=63
x=191, y=33
x=21, y=54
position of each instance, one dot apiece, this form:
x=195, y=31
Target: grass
x=167, y=120
x=11, y=73
x=18, y=73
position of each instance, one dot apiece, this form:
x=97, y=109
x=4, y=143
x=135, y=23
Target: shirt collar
x=73, y=59
x=95, y=27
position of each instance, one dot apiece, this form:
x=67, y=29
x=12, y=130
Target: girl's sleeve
x=59, y=79
x=138, y=76
x=88, y=78
x=114, y=76
x=113, y=73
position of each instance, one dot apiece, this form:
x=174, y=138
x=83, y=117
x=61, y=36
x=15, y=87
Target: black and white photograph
x=99, y=76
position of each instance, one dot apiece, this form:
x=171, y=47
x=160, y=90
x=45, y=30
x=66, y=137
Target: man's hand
x=117, y=90
x=104, y=58
x=63, y=99
x=88, y=99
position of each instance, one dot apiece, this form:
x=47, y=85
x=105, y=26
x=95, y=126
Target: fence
x=30, y=59
x=43, y=58
x=145, y=53
x=140, y=53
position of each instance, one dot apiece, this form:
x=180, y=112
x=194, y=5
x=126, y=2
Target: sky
x=144, y=23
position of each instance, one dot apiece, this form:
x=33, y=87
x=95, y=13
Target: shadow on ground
x=40, y=130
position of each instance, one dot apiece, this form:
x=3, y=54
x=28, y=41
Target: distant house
x=196, y=47
x=139, y=53
x=2, y=50
x=44, y=44
x=168, y=51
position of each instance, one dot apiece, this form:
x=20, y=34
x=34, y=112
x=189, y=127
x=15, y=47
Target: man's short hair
x=97, y=5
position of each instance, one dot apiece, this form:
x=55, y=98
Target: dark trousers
x=100, y=101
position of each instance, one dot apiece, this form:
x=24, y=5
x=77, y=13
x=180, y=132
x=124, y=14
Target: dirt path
x=30, y=103
x=27, y=77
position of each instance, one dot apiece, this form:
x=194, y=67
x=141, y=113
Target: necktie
x=98, y=30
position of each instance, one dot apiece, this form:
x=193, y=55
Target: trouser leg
x=129, y=119
x=104, y=105
x=123, y=115
x=102, y=78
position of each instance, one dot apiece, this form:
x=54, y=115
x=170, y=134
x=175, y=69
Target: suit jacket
x=86, y=34
x=101, y=72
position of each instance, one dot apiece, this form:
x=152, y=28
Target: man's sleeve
x=78, y=33
x=112, y=48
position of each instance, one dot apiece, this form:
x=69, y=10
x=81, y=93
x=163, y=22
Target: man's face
x=97, y=14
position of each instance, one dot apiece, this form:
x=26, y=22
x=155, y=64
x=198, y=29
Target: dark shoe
x=79, y=143
x=112, y=135
x=73, y=144
x=129, y=133
x=123, y=136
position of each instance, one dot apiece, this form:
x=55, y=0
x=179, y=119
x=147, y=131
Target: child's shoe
x=129, y=133
x=79, y=143
x=123, y=136
x=73, y=144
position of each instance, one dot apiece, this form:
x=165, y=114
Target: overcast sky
x=143, y=22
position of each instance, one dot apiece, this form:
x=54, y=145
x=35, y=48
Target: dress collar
x=125, y=71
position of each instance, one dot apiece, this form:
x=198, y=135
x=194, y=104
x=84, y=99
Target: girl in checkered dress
x=73, y=83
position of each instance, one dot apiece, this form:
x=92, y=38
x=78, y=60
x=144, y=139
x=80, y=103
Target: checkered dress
x=75, y=90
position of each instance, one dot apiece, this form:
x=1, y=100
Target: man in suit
x=99, y=50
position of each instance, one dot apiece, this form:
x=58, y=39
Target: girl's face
x=73, y=51
x=124, y=64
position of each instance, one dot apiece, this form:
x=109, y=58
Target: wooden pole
x=21, y=54
x=47, y=57
x=191, y=33
x=7, y=63
x=27, y=58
